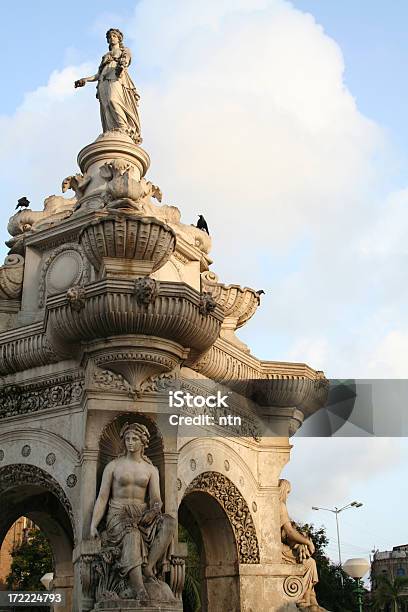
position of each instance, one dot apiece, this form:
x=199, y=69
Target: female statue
x=296, y=548
x=117, y=95
x=130, y=497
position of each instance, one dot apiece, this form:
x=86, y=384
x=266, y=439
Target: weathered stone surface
x=107, y=304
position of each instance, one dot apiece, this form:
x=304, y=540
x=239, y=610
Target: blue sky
x=290, y=131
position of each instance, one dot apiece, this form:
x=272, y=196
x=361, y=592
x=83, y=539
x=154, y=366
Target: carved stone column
x=273, y=455
x=88, y=489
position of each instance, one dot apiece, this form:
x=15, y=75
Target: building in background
x=390, y=563
x=14, y=538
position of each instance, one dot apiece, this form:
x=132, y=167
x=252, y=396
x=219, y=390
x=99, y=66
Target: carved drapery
x=235, y=507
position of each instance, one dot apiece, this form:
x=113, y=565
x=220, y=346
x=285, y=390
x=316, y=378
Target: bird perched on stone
x=260, y=292
x=202, y=224
x=23, y=203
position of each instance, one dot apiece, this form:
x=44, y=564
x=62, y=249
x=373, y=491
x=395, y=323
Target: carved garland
x=15, y=400
x=228, y=496
x=19, y=474
x=110, y=381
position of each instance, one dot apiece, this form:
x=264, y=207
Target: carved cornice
x=228, y=496
x=110, y=309
x=56, y=392
x=136, y=357
x=268, y=383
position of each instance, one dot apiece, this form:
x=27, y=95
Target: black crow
x=23, y=203
x=202, y=224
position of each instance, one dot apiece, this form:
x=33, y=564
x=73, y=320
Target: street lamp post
x=357, y=568
x=337, y=511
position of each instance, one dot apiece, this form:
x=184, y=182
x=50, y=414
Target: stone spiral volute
x=293, y=586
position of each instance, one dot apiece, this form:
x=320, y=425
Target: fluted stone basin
x=238, y=303
x=110, y=314
x=121, y=244
x=286, y=391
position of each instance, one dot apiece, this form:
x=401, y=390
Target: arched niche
x=111, y=445
x=27, y=490
x=219, y=521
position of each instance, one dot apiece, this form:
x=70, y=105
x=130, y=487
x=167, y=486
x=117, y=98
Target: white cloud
x=329, y=476
x=251, y=124
x=389, y=358
x=332, y=472
x=247, y=119
x=41, y=139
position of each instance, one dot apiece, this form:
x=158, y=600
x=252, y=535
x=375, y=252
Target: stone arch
x=42, y=437
x=218, y=519
x=218, y=450
x=235, y=507
x=27, y=490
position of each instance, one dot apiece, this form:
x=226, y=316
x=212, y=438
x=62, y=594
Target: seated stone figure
x=296, y=548
x=135, y=527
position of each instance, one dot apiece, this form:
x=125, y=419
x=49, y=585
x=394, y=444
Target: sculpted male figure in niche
x=130, y=494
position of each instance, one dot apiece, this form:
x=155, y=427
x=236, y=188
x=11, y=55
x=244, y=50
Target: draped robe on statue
x=310, y=577
x=124, y=530
x=117, y=96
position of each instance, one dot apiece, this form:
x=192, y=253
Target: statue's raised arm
x=116, y=92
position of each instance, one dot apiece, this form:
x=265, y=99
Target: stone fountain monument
x=107, y=306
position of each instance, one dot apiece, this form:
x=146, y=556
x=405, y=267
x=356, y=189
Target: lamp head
x=356, y=568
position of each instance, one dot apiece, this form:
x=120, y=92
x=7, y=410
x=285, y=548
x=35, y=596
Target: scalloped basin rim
x=169, y=289
x=120, y=216
x=231, y=286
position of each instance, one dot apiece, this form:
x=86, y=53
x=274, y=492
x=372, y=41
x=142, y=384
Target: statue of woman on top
x=116, y=92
